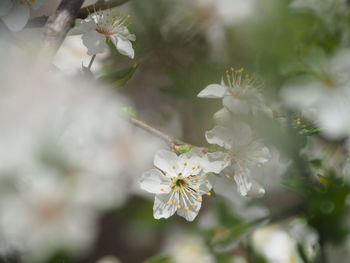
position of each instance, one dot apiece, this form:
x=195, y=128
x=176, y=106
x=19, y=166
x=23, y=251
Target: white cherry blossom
x=324, y=96
x=103, y=25
x=240, y=93
x=16, y=13
x=179, y=183
x=243, y=153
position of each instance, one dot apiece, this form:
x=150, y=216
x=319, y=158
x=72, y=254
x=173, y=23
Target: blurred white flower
x=305, y=236
x=240, y=93
x=41, y=217
x=72, y=55
x=179, y=183
x=16, y=13
x=276, y=245
x=186, y=248
x=62, y=157
x=324, y=97
x=102, y=26
x=243, y=154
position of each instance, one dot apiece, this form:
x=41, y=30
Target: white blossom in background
x=72, y=55
x=16, y=13
x=306, y=237
x=324, y=97
x=102, y=26
x=276, y=245
x=179, y=183
x=62, y=158
x=243, y=153
x=240, y=93
x=187, y=248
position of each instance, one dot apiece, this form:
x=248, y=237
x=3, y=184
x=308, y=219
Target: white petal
x=17, y=18
x=213, y=91
x=5, y=7
x=95, y=42
x=166, y=161
x=222, y=116
x=190, y=162
x=155, y=182
x=82, y=26
x=189, y=207
x=256, y=190
x=164, y=205
x=243, y=182
x=124, y=46
x=215, y=162
x=221, y=136
x=236, y=106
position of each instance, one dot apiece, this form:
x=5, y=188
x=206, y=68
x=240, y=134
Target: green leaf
x=158, y=259
x=119, y=78
x=130, y=112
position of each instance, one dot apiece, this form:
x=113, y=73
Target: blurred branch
x=173, y=142
x=82, y=13
x=58, y=25
x=99, y=5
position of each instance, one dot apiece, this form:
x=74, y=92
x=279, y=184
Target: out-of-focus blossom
x=240, y=93
x=16, y=13
x=279, y=244
x=62, y=160
x=243, y=153
x=276, y=245
x=72, y=56
x=102, y=26
x=179, y=183
x=305, y=236
x=187, y=248
x=325, y=96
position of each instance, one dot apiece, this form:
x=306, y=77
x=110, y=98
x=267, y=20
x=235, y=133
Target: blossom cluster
x=241, y=151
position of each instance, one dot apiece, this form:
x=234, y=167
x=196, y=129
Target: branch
x=58, y=25
x=82, y=14
x=99, y=5
x=174, y=143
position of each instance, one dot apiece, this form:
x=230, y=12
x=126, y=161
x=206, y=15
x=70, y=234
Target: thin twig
x=99, y=5
x=82, y=14
x=173, y=142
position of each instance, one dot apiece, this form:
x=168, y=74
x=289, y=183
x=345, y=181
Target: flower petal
x=213, y=91
x=222, y=116
x=17, y=18
x=124, y=46
x=95, y=42
x=221, y=136
x=236, y=106
x=190, y=163
x=155, y=182
x=165, y=205
x=166, y=161
x=82, y=26
x=215, y=162
x=256, y=190
x=243, y=182
x=189, y=207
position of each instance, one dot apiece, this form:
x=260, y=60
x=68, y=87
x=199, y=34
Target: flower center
x=179, y=184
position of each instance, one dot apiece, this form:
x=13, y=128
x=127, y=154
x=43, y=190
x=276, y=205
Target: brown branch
x=173, y=142
x=99, y=5
x=82, y=14
x=58, y=25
